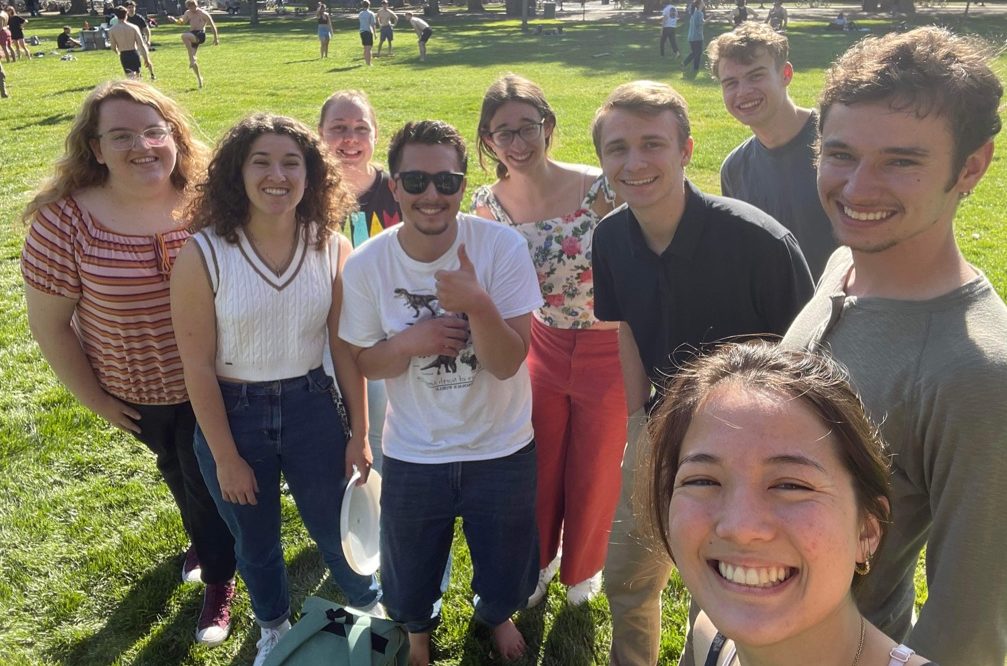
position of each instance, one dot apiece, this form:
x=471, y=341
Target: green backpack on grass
x=329, y=634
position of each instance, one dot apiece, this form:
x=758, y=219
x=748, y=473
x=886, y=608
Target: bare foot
x=509, y=641
x=419, y=649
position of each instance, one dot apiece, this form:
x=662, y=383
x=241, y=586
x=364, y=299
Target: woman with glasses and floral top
x=349, y=127
x=579, y=410
x=105, y=231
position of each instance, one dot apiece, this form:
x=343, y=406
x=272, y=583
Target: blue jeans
x=419, y=504
x=377, y=405
x=290, y=426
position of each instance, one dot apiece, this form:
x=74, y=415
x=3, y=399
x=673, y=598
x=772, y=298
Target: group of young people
x=384, y=22
x=553, y=364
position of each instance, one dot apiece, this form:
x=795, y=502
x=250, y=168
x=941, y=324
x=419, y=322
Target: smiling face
x=644, y=160
x=754, y=92
x=520, y=153
x=430, y=213
x=763, y=518
x=350, y=132
x=884, y=175
x=142, y=166
x=274, y=174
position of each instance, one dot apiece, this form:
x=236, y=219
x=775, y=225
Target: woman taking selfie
x=770, y=490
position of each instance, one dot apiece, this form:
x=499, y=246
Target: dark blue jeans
x=419, y=504
x=290, y=426
x=695, y=55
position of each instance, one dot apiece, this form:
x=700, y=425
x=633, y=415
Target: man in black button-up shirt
x=681, y=270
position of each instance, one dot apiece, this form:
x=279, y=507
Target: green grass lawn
x=89, y=537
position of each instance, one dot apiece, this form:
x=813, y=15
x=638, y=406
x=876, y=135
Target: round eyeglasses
x=154, y=137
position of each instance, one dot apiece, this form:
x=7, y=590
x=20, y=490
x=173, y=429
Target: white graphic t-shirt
x=443, y=408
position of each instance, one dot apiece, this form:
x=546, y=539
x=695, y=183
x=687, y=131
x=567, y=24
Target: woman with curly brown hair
x=105, y=231
x=252, y=300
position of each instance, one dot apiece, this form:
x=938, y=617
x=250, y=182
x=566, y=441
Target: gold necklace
x=860, y=648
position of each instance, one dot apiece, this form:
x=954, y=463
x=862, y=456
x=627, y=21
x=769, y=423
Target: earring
x=864, y=568
x=965, y=195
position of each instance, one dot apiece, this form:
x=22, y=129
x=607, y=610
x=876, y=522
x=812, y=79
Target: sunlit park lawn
x=89, y=537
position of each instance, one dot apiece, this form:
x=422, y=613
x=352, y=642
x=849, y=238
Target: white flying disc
x=359, y=523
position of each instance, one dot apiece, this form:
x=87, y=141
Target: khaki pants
x=637, y=567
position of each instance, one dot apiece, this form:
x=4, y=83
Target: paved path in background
x=594, y=10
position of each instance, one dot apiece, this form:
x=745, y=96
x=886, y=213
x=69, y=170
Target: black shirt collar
x=687, y=235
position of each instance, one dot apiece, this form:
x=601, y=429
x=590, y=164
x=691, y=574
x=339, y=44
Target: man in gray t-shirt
x=920, y=329
x=774, y=170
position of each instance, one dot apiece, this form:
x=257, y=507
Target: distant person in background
x=140, y=21
x=6, y=44
x=16, y=24
x=197, y=20
x=324, y=20
x=423, y=31
x=669, y=21
x=386, y=23
x=777, y=18
x=128, y=43
x=350, y=128
x=3, y=82
x=696, y=19
x=105, y=231
x=740, y=14
x=65, y=40
x=367, y=22
x=841, y=24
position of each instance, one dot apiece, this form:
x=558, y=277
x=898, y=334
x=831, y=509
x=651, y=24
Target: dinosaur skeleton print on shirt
x=443, y=371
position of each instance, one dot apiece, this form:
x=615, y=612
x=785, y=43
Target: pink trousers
x=579, y=415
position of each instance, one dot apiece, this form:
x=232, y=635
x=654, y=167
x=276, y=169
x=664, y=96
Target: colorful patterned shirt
x=561, y=251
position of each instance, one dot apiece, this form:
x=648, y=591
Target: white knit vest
x=269, y=326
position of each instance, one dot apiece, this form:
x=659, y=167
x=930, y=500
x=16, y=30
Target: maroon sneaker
x=215, y=619
x=191, y=571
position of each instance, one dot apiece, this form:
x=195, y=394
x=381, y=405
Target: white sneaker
x=584, y=591
x=269, y=639
x=542, y=587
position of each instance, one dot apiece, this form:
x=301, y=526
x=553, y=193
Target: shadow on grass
x=57, y=119
x=571, y=638
x=306, y=576
x=74, y=90
x=132, y=620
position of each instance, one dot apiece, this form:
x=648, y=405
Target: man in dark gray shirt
x=774, y=170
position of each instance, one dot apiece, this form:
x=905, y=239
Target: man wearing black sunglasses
x=440, y=307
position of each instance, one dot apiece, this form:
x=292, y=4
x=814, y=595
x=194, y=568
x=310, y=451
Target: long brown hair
x=78, y=168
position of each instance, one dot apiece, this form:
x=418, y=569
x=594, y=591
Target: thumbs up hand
x=459, y=290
